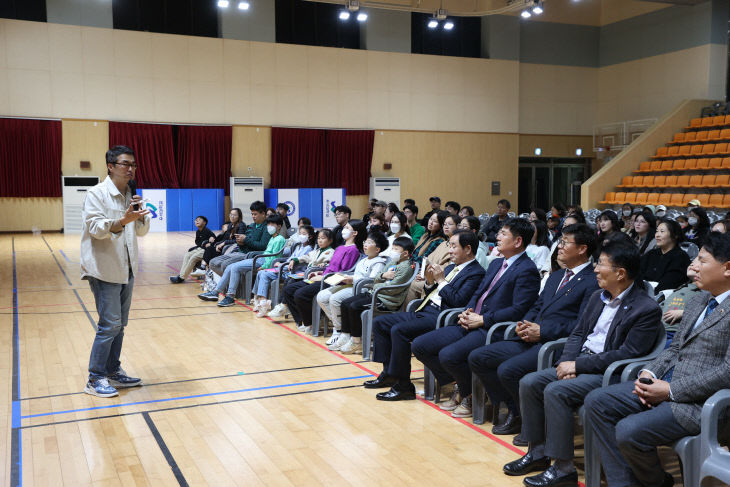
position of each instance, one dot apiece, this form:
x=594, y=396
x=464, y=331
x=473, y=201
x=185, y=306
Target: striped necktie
x=435, y=290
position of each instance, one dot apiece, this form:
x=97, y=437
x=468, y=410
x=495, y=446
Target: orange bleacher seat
x=631, y=198
x=706, y=122
x=678, y=138
x=726, y=201
x=702, y=136
x=713, y=135
x=721, y=148
x=676, y=199
x=690, y=164
x=718, y=121
x=661, y=152
x=688, y=197
x=682, y=181
x=659, y=182
x=667, y=165
x=709, y=149
x=704, y=198
x=715, y=163
x=703, y=163
x=696, y=149
x=652, y=199
x=727, y=120
x=724, y=134
x=644, y=167
x=678, y=165
x=620, y=198
x=670, y=182
x=715, y=201
x=690, y=137
x=695, y=180
x=721, y=181
x=673, y=151
x=609, y=199
x=707, y=181
x=685, y=150
x=726, y=163
x=626, y=182
x=647, y=182
x=664, y=199
x=695, y=123
x=641, y=198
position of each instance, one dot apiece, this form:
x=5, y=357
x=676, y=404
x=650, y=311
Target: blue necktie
x=711, y=305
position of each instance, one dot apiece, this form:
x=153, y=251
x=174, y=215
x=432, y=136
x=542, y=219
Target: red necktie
x=568, y=275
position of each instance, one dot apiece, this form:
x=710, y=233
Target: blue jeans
x=231, y=277
x=264, y=280
x=112, y=304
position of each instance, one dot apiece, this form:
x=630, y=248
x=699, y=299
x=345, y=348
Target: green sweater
x=417, y=232
x=257, y=238
x=276, y=243
x=393, y=299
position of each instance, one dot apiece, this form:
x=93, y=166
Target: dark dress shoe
x=383, y=380
x=519, y=441
x=668, y=480
x=550, y=478
x=526, y=464
x=398, y=393
x=511, y=426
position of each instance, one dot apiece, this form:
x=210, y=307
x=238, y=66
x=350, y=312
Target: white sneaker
x=279, y=310
x=342, y=339
x=197, y=273
x=352, y=346
x=263, y=309
x=301, y=327
x=333, y=339
x=254, y=304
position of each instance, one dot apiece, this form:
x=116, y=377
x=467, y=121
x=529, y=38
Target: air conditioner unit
x=245, y=191
x=386, y=189
x=74, y=194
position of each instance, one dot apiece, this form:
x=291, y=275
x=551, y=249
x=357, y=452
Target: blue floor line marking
x=195, y=396
x=64, y=256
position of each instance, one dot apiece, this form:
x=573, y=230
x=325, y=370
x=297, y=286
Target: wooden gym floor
x=230, y=399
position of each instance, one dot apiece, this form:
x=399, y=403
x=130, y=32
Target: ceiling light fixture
x=579, y=152
x=448, y=25
x=223, y=3
x=538, y=151
x=344, y=15
x=362, y=17
x=243, y=5
x=433, y=23
x=525, y=14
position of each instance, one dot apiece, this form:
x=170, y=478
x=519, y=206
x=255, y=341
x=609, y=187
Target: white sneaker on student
x=342, y=339
x=333, y=339
x=197, y=273
x=279, y=310
x=263, y=309
x=352, y=346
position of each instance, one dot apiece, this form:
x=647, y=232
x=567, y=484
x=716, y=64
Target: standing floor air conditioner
x=74, y=194
x=245, y=191
x=386, y=189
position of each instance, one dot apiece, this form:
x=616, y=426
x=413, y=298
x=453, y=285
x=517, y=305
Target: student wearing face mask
x=626, y=211
x=397, y=271
x=231, y=277
x=398, y=227
x=698, y=226
x=661, y=211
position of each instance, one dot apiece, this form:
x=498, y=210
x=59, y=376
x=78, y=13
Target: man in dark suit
x=452, y=287
x=630, y=420
x=621, y=321
x=509, y=288
x=501, y=365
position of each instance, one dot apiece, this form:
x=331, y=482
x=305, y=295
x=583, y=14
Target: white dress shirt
x=105, y=255
x=436, y=298
x=596, y=341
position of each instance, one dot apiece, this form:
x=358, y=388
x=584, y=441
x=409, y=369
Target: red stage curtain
x=316, y=158
x=203, y=156
x=30, y=158
x=155, y=152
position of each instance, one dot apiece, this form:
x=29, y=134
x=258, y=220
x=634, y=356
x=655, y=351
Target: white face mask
x=395, y=227
x=627, y=212
x=661, y=213
x=271, y=229
x=346, y=233
x=301, y=238
x=692, y=221
x=394, y=254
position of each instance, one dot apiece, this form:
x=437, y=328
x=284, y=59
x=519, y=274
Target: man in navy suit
x=452, y=287
x=509, y=288
x=501, y=365
x=620, y=321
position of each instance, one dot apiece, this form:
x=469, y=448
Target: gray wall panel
x=560, y=44
x=501, y=37
x=720, y=11
x=255, y=24
x=90, y=13
x=386, y=30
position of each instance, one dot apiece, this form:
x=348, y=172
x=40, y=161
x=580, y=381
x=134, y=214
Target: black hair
x=329, y=234
x=412, y=207
x=583, y=235
x=303, y=220
x=651, y=220
x=504, y=203
x=202, y=218
x=623, y=255
x=718, y=246
x=343, y=209
x=474, y=223
x=441, y=217
x=403, y=221
x=379, y=240
x=579, y=217
x=520, y=227
x=276, y=219
x=453, y=204
x=469, y=210
x=406, y=243
x=560, y=208
x=362, y=232
x=270, y=210
x=409, y=201
x=467, y=238
x=239, y=212
x=392, y=207
x=541, y=230
x=611, y=215
x=675, y=230
x=725, y=223
x=380, y=218
x=311, y=234
x=454, y=218
x=683, y=218
x=258, y=206
x=540, y=214
x=283, y=206
x=113, y=154
x=703, y=222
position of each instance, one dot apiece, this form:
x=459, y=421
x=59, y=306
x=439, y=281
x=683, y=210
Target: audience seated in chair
x=433, y=237
x=439, y=256
x=453, y=207
x=227, y=237
x=203, y=237
x=397, y=227
x=494, y=224
x=539, y=248
x=450, y=287
x=674, y=304
x=620, y=321
x=435, y=202
x=664, y=404
x=255, y=239
x=342, y=216
x=415, y=229
x=283, y=210
x=667, y=263
x=472, y=224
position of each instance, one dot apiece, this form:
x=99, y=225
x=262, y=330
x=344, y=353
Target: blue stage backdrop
x=173, y=210
x=315, y=203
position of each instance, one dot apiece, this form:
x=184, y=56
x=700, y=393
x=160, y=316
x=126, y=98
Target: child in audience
x=195, y=254
x=298, y=295
x=330, y=299
x=231, y=277
x=315, y=260
x=397, y=226
x=305, y=240
x=399, y=271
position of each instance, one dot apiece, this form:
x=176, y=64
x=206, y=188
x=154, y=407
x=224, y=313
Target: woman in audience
x=330, y=299
x=433, y=237
x=721, y=226
x=606, y=224
x=305, y=240
x=466, y=211
x=377, y=223
x=227, y=237
x=667, y=263
x=399, y=270
x=316, y=260
x=397, y=226
x=539, y=248
x=644, y=230
x=298, y=295
x=698, y=226
x=673, y=305
x=440, y=256
x=390, y=210
x=538, y=214
x=472, y=223
x=626, y=211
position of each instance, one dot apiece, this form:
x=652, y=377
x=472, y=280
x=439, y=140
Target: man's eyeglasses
x=126, y=164
x=562, y=242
